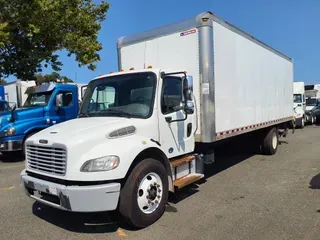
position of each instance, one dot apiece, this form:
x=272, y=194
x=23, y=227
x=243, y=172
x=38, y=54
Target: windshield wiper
x=119, y=112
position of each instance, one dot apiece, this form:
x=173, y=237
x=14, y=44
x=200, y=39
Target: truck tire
x=270, y=142
x=144, y=195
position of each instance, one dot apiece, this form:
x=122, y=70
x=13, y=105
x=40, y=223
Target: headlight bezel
x=111, y=162
x=9, y=131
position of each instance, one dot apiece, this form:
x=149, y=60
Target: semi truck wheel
x=270, y=142
x=144, y=196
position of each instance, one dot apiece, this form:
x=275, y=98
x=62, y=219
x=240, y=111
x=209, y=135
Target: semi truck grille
x=46, y=159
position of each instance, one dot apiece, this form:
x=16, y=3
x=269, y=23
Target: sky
x=290, y=26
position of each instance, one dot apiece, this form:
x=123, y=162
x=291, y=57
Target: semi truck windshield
x=38, y=99
x=128, y=95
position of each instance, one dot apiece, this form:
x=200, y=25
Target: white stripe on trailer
x=240, y=130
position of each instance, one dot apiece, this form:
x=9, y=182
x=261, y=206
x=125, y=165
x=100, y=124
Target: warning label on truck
x=192, y=31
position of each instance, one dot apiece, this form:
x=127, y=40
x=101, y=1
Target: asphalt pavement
x=245, y=196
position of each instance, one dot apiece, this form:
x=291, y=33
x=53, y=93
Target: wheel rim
x=149, y=193
x=274, y=141
x=302, y=122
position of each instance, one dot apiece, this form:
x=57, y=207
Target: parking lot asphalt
x=245, y=196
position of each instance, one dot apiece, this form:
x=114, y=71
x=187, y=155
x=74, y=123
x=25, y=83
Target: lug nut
x=159, y=190
x=149, y=201
x=155, y=184
x=158, y=185
x=156, y=201
x=152, y=203
x=158, y=196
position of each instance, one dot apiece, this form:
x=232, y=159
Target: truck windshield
x=128, y=95
x=311, y=102
x=38, y=99
x=297, y=98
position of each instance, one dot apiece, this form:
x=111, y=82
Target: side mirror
x=189, y=108
x=188, y=88
x=59, y=100
x=12, y=106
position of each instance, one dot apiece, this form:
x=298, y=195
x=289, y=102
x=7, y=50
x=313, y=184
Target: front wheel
x=144, y=195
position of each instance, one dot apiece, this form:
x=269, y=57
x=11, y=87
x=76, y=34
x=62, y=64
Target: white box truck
x=299, y=104
x=16, y=91
x=185, y=85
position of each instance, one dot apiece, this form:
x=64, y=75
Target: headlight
x=101, y=164
x=10, y=131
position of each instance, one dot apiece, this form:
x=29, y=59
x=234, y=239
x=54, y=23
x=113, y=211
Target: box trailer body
x=299, y=104
x=143, y=131
x=240, y=84
x=16, y=92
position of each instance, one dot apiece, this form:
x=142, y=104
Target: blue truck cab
x=47, y=104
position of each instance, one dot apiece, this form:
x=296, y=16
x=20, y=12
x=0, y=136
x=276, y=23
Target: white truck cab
x=299, y=104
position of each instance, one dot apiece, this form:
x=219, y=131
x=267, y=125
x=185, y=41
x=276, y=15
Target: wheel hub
x=149, y=193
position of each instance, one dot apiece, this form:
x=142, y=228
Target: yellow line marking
x=8, y=188
x=121, y=233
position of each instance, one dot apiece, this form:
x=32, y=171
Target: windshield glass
x=311, y=102
x=297, y=98
x=128, y=95
x=37, y=99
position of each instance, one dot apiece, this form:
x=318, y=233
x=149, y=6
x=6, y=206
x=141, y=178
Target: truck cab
x=47, y=105
x=312, y=93
x=299, y=104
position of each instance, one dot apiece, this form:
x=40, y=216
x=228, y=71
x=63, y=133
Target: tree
x=3, y=82
x=52, y=77
x=32, y=31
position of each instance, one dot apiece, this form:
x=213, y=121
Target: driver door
x=176, y=137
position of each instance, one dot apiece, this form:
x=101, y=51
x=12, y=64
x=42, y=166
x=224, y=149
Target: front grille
x=46, y=159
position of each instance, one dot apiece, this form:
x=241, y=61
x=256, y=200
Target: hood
x=80, y=130
x=21, y=114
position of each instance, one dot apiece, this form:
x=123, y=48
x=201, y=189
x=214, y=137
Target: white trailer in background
x=16, y=92
x=299, y=104
x=182, y=86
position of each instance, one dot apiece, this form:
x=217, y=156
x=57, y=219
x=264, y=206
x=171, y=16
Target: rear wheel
x=144, y=195
x=270, y=142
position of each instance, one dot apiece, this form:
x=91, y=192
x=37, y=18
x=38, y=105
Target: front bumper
x=11, y=145
x=95, y=198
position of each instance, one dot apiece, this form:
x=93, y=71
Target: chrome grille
x=46, y=159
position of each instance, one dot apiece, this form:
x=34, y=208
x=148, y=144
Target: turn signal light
x=149, y=66
x=121, y=70
x=132, y=68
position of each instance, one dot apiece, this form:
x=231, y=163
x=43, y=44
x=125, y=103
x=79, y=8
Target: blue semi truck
x=39, y=111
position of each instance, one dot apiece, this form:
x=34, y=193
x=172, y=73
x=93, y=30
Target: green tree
x=52, y=77
x=32, y=31
x=3, y=82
